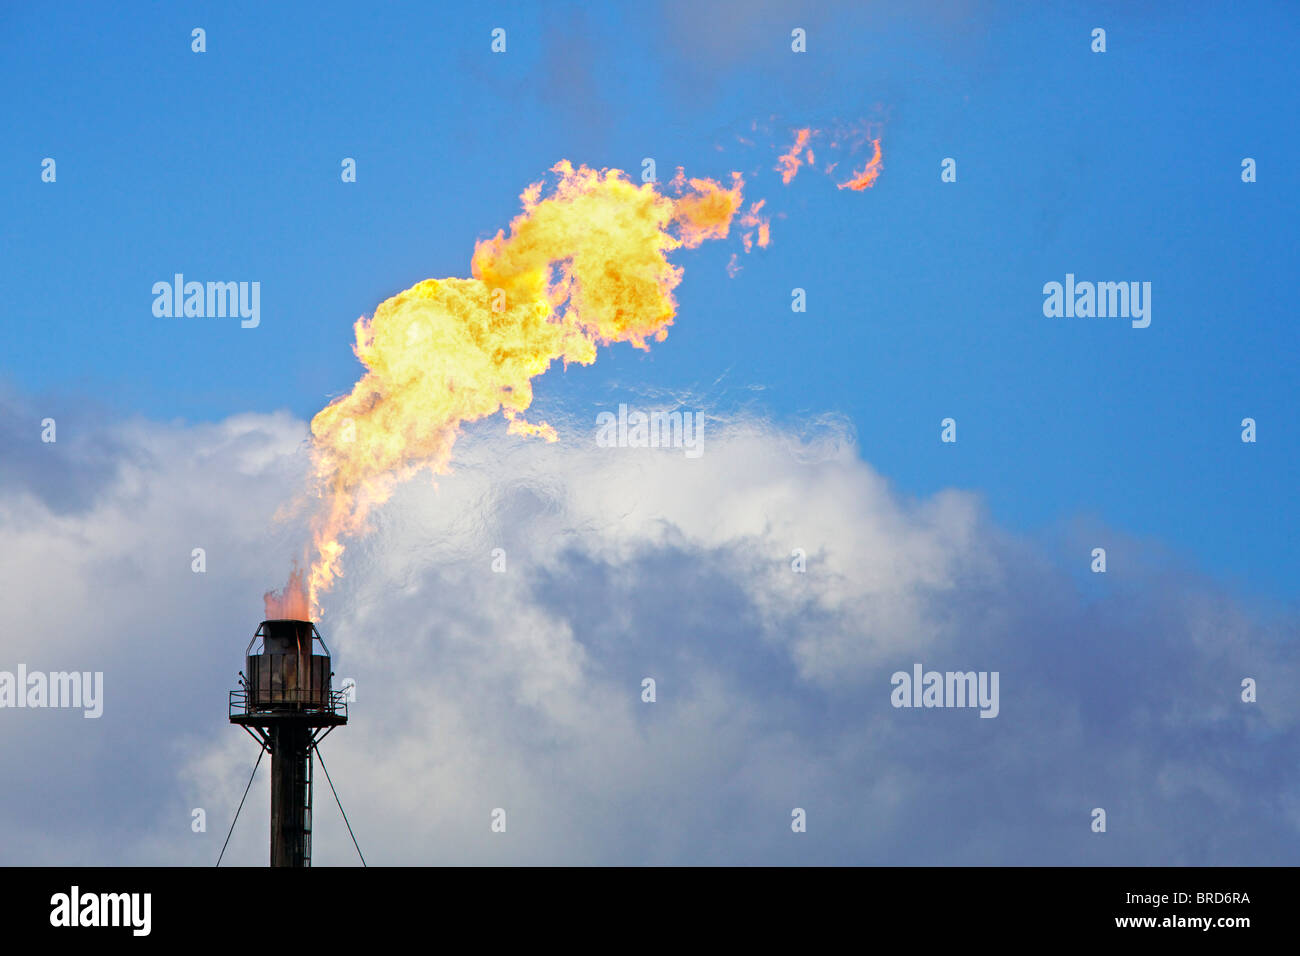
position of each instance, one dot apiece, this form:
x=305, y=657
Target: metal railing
x=298, y=701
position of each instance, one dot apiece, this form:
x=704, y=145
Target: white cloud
x=522, y=690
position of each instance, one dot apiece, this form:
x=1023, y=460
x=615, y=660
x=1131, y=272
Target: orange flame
x=840, y=136
x=787, y=164
x=751, y=219
x=867, y=177
x=291, y=602
x=586, y=265
x=707, y=212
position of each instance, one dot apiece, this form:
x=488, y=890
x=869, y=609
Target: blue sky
x=924, y=297
x=924, y=302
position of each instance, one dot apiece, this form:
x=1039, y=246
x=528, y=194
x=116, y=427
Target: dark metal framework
x=286, y=704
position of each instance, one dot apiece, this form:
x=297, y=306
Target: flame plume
x=584, y=265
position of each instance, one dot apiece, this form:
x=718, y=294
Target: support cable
x=260, y=754
x=339, y=802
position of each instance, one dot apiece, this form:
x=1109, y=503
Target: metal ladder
x=306, y=822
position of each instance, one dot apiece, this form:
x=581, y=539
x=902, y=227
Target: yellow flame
x=584, y=265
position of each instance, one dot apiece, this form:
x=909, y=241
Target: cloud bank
x=522, y=689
